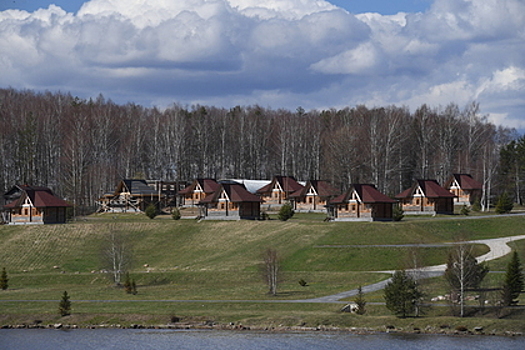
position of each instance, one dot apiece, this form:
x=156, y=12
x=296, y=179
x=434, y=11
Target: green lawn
x=220, y=261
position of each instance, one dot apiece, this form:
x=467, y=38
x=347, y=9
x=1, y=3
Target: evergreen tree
x=504, y=204
x=360, y=301
x=175, y=214
x=127, y=283
x=4, y=280
x=402, y=294
x=64, y=307
x=151, y=211
x=133, y=287
x=398, y=213
x=513, y=284
x=286, y=212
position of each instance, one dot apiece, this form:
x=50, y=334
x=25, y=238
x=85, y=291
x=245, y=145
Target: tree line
x=82, y=147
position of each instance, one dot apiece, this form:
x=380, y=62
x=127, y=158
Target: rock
x=57, y=326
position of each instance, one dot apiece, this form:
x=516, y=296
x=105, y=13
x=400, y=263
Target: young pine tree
x=286, y=212
x=4, y=281
x=402, y=294
x=151, y=211
x=64, y=307
x=513, y=284
x=360, y=301
x=504, y=204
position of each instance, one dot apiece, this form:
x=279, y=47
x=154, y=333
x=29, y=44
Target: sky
x=274, y=53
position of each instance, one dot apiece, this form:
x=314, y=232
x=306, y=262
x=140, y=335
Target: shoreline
x=446, y=331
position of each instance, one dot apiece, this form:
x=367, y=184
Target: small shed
x=426, y=197
x=362, y=202
x=33, y=205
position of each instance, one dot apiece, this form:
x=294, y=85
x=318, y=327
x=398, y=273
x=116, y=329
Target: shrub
x=286, y=212
x=175, y=214
x=504, y=204
x=397, y=213
x=151, y=211
x=4, y=280
x=303, y=283
x=465, y=211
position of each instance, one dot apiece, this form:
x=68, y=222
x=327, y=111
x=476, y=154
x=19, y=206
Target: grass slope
x=190, y=260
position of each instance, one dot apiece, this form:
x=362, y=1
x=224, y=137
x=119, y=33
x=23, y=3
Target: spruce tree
x=504, y=204
x=286, y=212
x=513, y=284
x=4, y=281
x=64, y=307
x=402, y=294
x=360, y=302
x=175, y=214
x=151, y=211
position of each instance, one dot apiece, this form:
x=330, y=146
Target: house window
x=310, y=200
x=417, y=201
x=353, y=207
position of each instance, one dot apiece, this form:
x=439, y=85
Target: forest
x=80, y=148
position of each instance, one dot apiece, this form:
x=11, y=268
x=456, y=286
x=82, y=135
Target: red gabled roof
x=430, y=188
x=467, y=182
x=323, y=189
x=367, y=192
x=41, y=197
x=287, y=183
x=236, y=193
x=207, y=185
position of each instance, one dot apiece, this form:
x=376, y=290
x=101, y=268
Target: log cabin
x=33, y=205
x=278, y=191
x=130, y=195
x=314, y=196
x=197, y=191
x=465, y=188
x=426, y=197
x=231, y=201
x=362, y=202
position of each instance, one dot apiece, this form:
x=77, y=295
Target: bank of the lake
x=211, y=339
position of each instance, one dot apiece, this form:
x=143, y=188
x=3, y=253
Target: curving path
x=498, y=247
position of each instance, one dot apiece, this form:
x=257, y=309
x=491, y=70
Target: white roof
x=251, y=185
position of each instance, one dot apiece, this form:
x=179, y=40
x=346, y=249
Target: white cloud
x=277, y=53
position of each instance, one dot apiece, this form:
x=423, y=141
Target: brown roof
x=430, y=188
x=287, y=183
x=323, y=189
x=367, y=192
x=466, y=182
x=41, y=197
x=207, y=185
x=235, y=192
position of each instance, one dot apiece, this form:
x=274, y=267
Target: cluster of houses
x=236, y=199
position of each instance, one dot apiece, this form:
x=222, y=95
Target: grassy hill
x=190, y=260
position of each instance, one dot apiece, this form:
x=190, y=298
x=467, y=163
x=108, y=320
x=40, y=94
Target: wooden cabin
x=426, y=197
x=197, y=191
x=33, y=205
x=231, y=201
x=131, y=195
x=362, y=202
x=278, y=191
x=465, y=188
x=314, y=196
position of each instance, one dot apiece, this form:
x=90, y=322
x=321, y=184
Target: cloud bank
x=275, y=53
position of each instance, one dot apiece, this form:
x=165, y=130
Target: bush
x=286, y=212
x=4, y=280
x=175, y=214
x=397, y=213
x=504, y=204
x=151, y=211
x=465, y=211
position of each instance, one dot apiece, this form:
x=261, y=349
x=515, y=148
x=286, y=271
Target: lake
x=116, y=339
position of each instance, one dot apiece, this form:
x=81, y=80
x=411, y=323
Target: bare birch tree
x=271, y=270
x=116, y=254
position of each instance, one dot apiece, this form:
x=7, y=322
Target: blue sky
x=385, y=7
x=274, y=53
